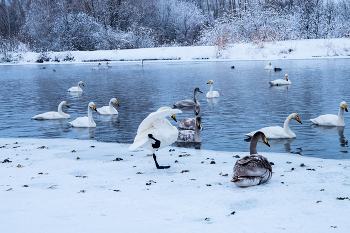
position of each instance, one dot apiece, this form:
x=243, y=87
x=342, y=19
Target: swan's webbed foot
x=156, y=144
x=157, y=165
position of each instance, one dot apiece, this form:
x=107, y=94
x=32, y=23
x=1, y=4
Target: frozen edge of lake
x=294, y=49
x=66, y=194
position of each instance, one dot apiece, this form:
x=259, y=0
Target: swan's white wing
x=280, y=82
x=328, y=119
x=155, y=116
x=215, y=94
x=272, y=132
x=50, y=116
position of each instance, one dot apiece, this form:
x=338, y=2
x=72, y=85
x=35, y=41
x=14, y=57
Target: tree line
x=67, y=25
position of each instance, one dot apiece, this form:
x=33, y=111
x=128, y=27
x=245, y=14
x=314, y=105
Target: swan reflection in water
x=212, y=102
x=195, y=145
x=281, y=88
x=111, y=118
x=84, y=132
x=333, y=129
x=274, y=142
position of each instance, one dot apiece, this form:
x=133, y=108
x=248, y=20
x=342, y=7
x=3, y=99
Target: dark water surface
x=246, y=101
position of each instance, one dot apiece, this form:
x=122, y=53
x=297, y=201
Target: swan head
x=210, y=82
x=296, y=117
x=92, y=105
x=261, y=137
x=343, y=105
x=199, y=123
x=166, y=108
x=197, y=90
x=197, y=110
x=286, y=75
x=65, y=103
x=114, y=100
x=81, y=83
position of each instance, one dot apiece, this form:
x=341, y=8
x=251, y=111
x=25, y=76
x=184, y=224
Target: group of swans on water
x=80, y=121
x=102, y=68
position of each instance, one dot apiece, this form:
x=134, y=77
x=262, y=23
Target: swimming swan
x=85, y=121
x=77, y=88
x=331, y=119
x=254, y=169
x=278, y=82
x=211, y=93
x=189, y=103
x=276, y=132
x=54, y=115
x=97, y=68
x=191, y=135
x=106, y=67
x=189, y=123
x=269, y=67
x=109, y=110
x=156, y=132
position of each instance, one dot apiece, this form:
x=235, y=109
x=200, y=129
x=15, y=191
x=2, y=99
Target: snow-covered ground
x=296, y=49
x=46, y=188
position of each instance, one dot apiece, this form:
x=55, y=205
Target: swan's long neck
x=195, y=98
x=253, y=144
x=90, y=115
x=197, y=134
x=111, y=108
x=286, y=125
x=211, y=88
x=341, y=116
x=60, y=109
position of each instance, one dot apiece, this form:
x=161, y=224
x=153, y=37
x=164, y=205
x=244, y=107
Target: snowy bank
x=296, y=49
x=67, y=185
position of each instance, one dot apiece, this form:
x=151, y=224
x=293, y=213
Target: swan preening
x=189, y=103
x=97, y=68
x=85, y=122
x=278, y=82
x=269, y=67
x=331, y=119
x=254, y=169
x=189, y=123
x=211, y=93
x=109, y=110
x=191, y=135
x=156, y=132
x=54, y=115
x=276, y=132
x=77, y=88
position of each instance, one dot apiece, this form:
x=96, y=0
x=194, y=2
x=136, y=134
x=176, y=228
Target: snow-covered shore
x=47, y=189
x=296, y=49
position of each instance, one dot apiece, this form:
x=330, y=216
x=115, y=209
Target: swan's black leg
x=156, y=144
x=157, y=165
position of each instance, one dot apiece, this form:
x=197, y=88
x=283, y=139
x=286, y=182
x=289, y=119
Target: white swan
x=331, y=119
x=156, y=132
x=77, y=88
x=278, y=82
x=269, y=67
x=109, y=110
x=189, y=123
x=97, y=68
x=211, y=93
x=54, y=115
x=105, y=67
x=191, y=135
x=276, y=132
x=189, y=103
x=84, y=122
x=254, y=169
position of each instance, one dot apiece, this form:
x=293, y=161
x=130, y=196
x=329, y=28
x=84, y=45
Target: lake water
x=246, y=102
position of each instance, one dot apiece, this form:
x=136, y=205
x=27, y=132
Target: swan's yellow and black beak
x=345, y=108
x=209, y=82
x=265, y=141
x=286, y=78
x=67, y=105
x=94, y=108
x=116, y=102
x=173, y=117
x=200, y=91
x=298, y=119
x=82, y=84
